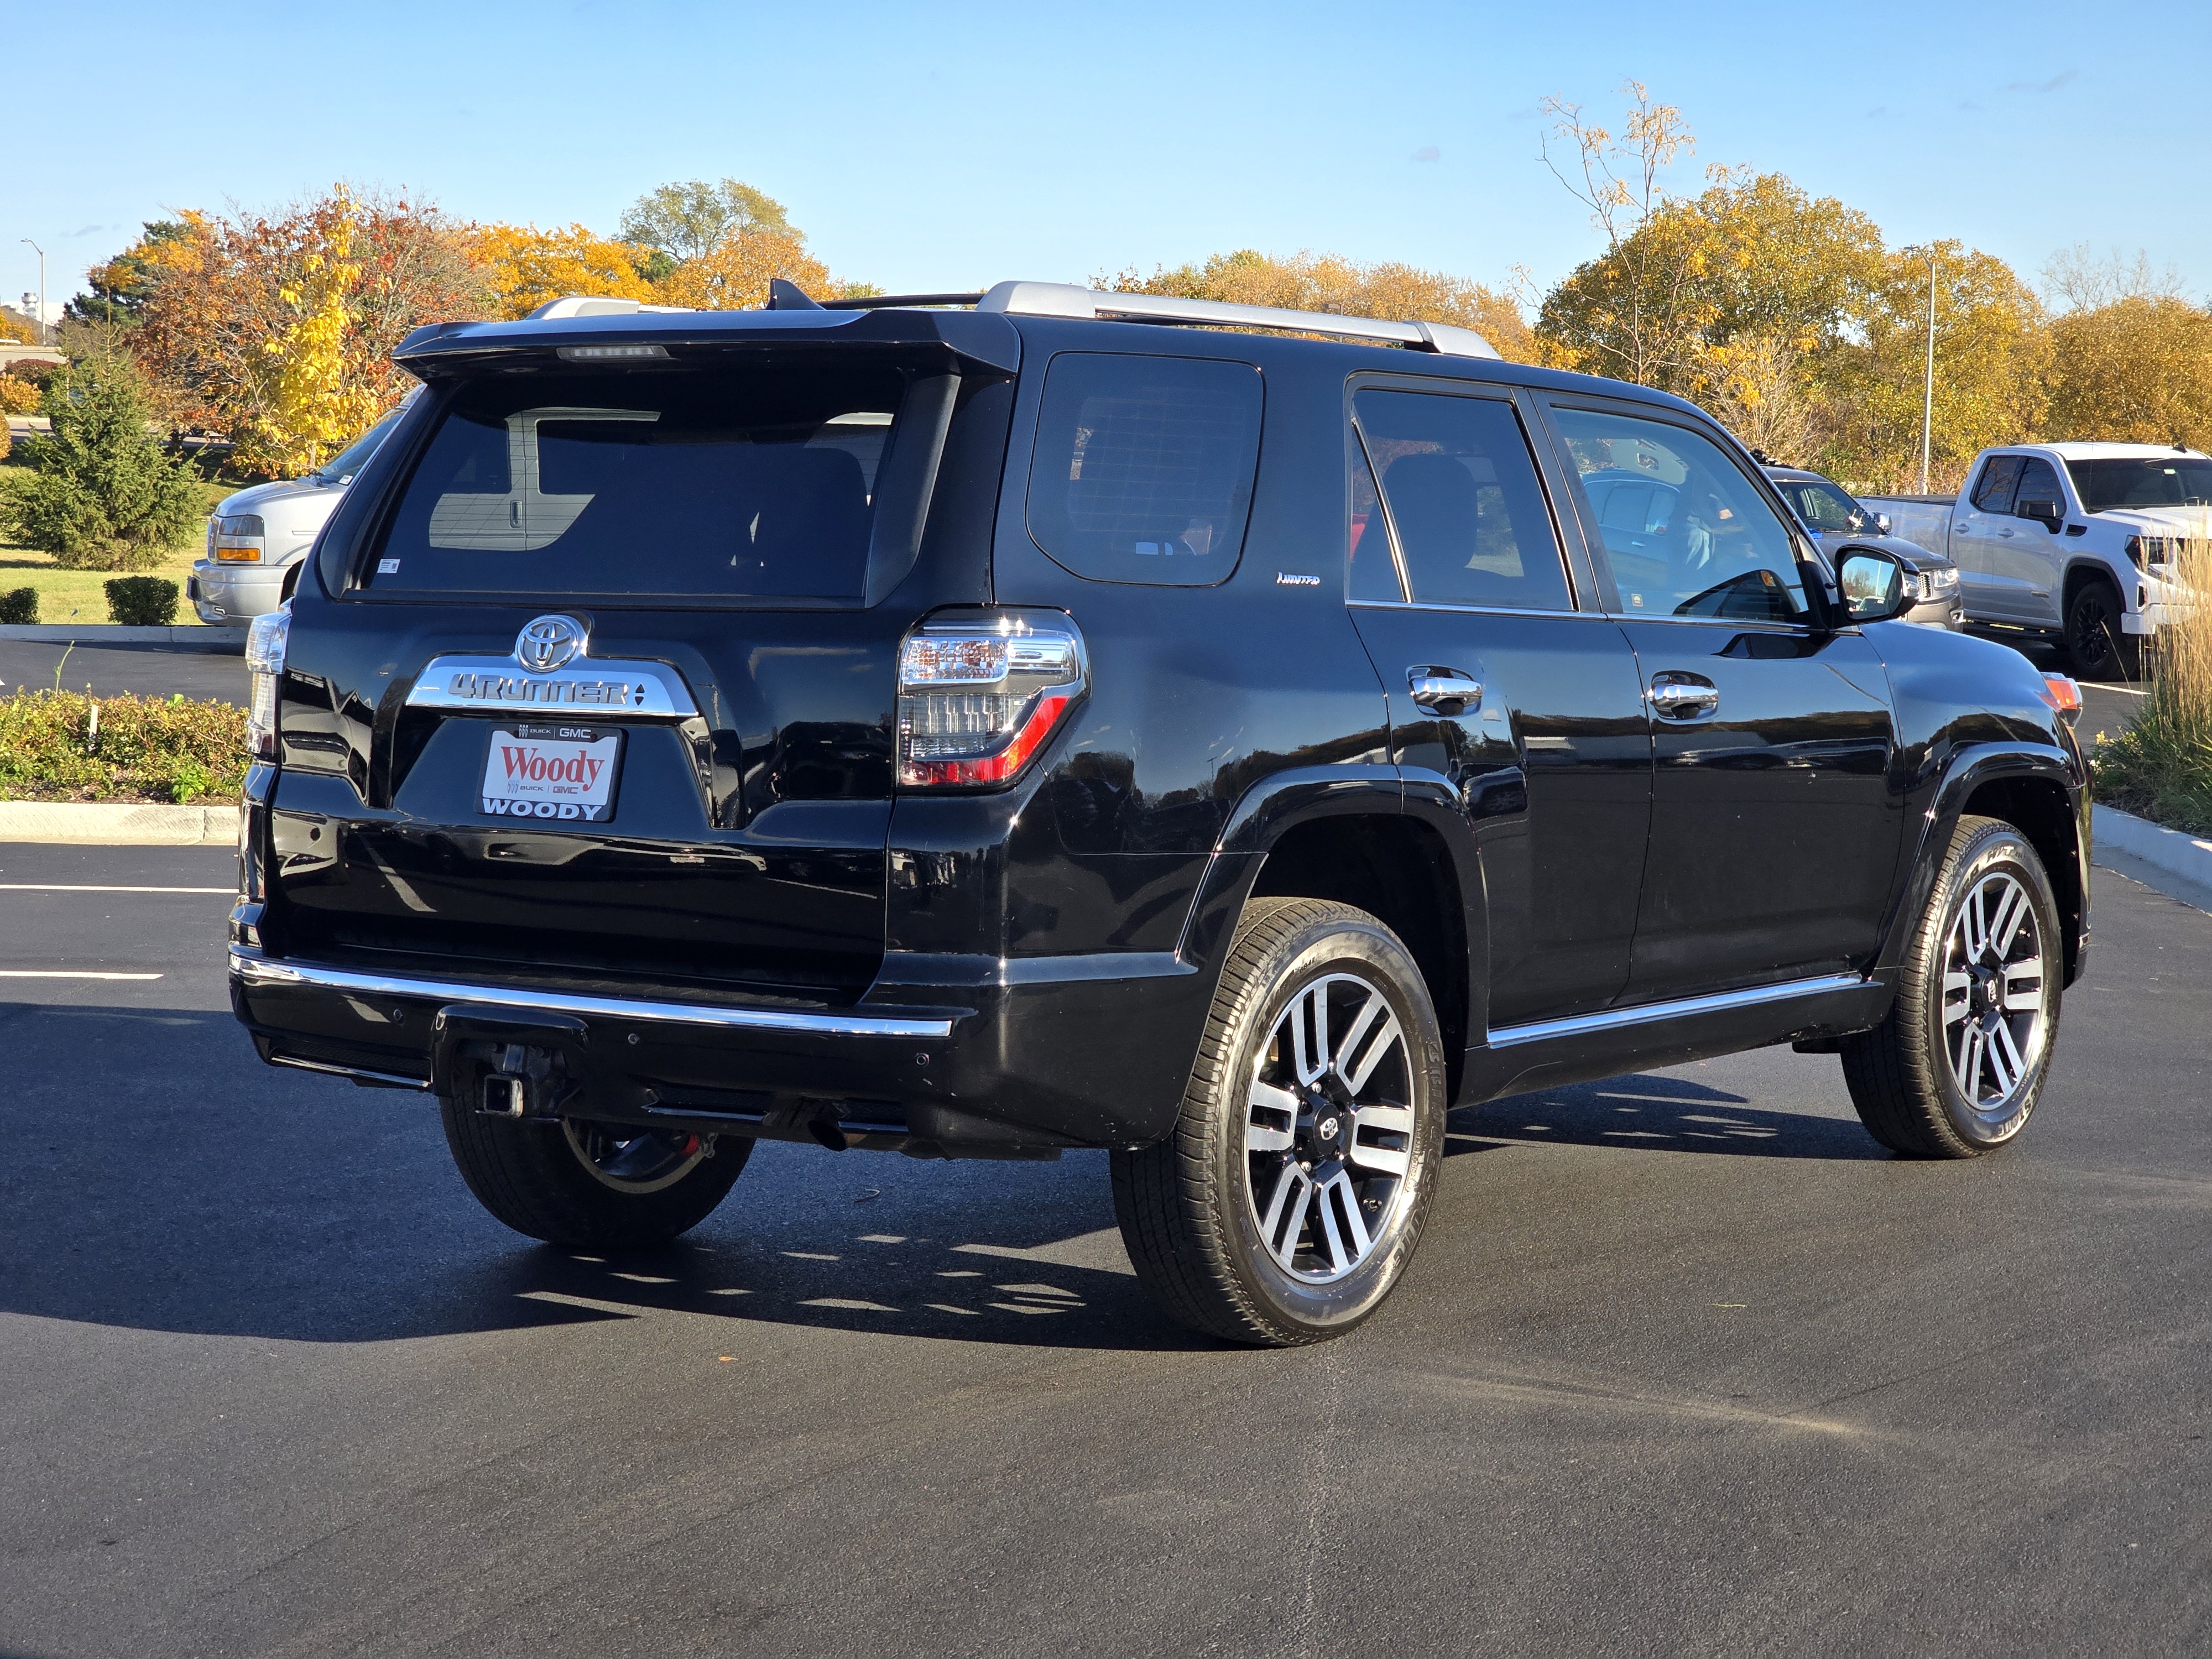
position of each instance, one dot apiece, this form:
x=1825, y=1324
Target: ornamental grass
x=2161, y=768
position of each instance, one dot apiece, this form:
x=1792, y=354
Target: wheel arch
x=2039, y=792
x=2079, y=573
x=1353, y=834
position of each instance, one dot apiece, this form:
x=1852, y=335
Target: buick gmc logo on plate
x=552, y=772
x=549, y=642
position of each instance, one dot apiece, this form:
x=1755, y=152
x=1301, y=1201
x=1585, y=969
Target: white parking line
x=39, y=887
x=65, y=973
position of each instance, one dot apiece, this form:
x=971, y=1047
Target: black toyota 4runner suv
x=1071, y=720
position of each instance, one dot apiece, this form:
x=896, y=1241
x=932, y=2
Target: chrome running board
x=1651, y=1013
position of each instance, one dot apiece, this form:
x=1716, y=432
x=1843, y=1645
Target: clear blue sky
x=924, y=148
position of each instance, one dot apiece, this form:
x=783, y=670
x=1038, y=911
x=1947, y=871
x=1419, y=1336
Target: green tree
x=102, y=494
x=686, y=221
x=1992, y=356
x=121, y=286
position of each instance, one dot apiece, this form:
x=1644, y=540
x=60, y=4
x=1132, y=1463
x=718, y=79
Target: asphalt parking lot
x=1686, y=1365
x=148, y=670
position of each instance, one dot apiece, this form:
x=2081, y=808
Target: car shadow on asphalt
x=166, y=1180
x=1661, y=1113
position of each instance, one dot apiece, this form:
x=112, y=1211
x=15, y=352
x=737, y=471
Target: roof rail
x=594, y=305
x=1065, y=300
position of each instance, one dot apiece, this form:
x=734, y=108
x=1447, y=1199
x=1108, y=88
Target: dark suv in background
x=978, y=730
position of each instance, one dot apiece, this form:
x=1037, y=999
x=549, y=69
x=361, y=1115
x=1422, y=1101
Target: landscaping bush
x=164, y=748
x=17, y=396
x=142, y=601
x=103, y=495
x=2161, y=768
x=19, y=607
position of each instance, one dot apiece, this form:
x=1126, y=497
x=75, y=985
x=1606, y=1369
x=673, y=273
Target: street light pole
x=42, y=318
x=1928, y=395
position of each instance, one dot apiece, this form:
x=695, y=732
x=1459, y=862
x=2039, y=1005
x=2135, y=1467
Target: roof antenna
x=789, y=296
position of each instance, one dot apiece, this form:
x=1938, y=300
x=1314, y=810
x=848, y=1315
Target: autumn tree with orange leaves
x=277, y=329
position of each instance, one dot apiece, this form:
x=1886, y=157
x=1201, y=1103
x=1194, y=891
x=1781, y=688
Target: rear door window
x=1999, y=478
x=712, y=484
x=1472, y=526
x=1144, y=466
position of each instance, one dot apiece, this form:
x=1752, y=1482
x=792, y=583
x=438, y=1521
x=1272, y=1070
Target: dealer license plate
x=558, y=772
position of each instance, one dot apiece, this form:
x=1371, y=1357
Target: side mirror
x=2048, y=514
x=1881, y=524
x=1873, y=585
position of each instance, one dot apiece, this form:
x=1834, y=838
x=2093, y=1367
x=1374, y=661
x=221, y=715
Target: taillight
x=264, y=663
x=981, y=691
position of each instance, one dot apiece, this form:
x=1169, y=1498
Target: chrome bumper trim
x=1650, y=1013
x=257, y=969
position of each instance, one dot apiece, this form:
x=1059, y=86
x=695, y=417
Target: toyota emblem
x=549, y=642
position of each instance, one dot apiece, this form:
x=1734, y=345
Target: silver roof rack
x=595, y=305
x=1065, y=300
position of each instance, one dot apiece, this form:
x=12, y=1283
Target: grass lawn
x=62, y=591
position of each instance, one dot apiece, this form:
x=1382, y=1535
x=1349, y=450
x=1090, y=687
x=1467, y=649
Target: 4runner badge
x=549, y=642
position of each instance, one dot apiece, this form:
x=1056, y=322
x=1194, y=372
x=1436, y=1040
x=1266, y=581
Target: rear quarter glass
x=715, y=484
x=1144, y=466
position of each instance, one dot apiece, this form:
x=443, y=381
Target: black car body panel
x=774, y=935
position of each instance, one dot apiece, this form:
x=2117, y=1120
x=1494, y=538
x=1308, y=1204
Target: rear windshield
x=2142, y=481
x=721, y=483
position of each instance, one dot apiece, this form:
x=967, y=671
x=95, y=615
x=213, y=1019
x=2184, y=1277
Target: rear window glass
x=1144, y=466
x=723, y=484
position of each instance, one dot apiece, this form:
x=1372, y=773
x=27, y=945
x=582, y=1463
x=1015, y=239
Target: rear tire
x=1289, y=1197
x=1959, y=1064
x=575, y=1183
x=2097, y=647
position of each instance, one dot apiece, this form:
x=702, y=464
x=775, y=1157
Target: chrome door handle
x=1443, y=694
x=1683, y=699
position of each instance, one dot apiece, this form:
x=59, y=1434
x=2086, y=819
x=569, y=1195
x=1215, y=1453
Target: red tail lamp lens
x=981, y=692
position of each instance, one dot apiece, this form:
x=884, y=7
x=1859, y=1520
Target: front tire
x=1960, y=1060
x=592, y=1185
x=1289, y=1198
x=2097, y=647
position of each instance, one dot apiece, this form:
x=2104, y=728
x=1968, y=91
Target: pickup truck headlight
x=2143, y=551
x=264, y=663
x=242, y=539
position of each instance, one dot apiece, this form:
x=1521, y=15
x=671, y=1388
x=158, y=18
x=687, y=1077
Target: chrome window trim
x=647, y=688
x=1485, y=610
x=1650, y=1013
x=254, y=969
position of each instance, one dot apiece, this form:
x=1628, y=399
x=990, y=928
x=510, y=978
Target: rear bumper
x=996, y=1059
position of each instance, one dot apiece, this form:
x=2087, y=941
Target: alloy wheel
x=1994, y=1022
x=1329, y=1129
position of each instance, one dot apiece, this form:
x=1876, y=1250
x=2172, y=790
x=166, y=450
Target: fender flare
x=1283, y=801
x=1968, y=769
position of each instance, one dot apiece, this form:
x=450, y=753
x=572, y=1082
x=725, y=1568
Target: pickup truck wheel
x=596, y=1186
x=2096, y=647
x=1290, y=1195
x=1956, y=1067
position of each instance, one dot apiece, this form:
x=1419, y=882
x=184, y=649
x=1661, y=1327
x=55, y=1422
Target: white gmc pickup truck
x=2074, y=540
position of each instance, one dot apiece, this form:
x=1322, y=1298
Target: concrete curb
x=92, y=633
x=101, y=824
x=2188, y=857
